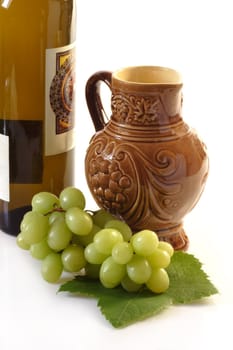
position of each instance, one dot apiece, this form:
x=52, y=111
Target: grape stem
x=60, y=210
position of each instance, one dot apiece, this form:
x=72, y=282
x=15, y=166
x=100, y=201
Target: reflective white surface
x=194, y=39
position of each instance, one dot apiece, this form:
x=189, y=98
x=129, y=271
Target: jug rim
x=147, y=75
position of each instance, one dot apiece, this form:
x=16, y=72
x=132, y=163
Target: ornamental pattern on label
x=62, y=92
x=59, y=107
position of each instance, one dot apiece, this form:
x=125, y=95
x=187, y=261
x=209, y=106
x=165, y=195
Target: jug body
x=146, y=165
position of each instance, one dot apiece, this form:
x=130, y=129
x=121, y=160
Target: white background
x=194, y=37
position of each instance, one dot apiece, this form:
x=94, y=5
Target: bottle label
x=4, y=168
x=21, y=158
x=59, y=101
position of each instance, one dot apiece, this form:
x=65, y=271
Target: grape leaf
x=118, y=306
x=84, y=286
x=125, y=308
x=188, y=282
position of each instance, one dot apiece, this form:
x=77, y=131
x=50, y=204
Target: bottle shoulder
x=50, y=23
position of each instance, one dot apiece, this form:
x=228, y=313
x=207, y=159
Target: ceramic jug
x=144, y=164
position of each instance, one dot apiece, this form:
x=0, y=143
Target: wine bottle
x=37, y=59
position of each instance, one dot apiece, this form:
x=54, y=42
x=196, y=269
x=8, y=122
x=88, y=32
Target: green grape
x=59, y=236
x=44, y=202
x=56, y=215
x=92, y=270
x=122, y=252
x=111, y=273
x=87, y=239
x=105, y=240
x=158, y=281
x=73, y=258
x=167, y=247
x=72, y=197
x=51, y=268
x=130, y=286
x=21, y=242
x=34, y=227
x=160, y=258
x=93, y=256
x=138, y=269
x=40, y=250
x=121, y=226
x=101, y=217
x=27, y=218
x=78, y=221
x=145, y=242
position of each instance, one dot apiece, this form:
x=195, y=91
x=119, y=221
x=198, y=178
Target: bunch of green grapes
x=66, y=237
x=47, y=231
x=117, y=257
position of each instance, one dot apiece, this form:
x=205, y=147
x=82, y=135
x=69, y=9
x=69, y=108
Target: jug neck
x=151, y=106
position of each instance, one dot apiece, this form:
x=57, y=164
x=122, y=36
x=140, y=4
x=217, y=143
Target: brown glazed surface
x=145, y=164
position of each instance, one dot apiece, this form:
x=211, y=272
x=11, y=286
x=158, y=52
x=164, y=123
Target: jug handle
x=93, y=98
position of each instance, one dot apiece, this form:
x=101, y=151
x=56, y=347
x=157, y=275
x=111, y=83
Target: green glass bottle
x=37, y=60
